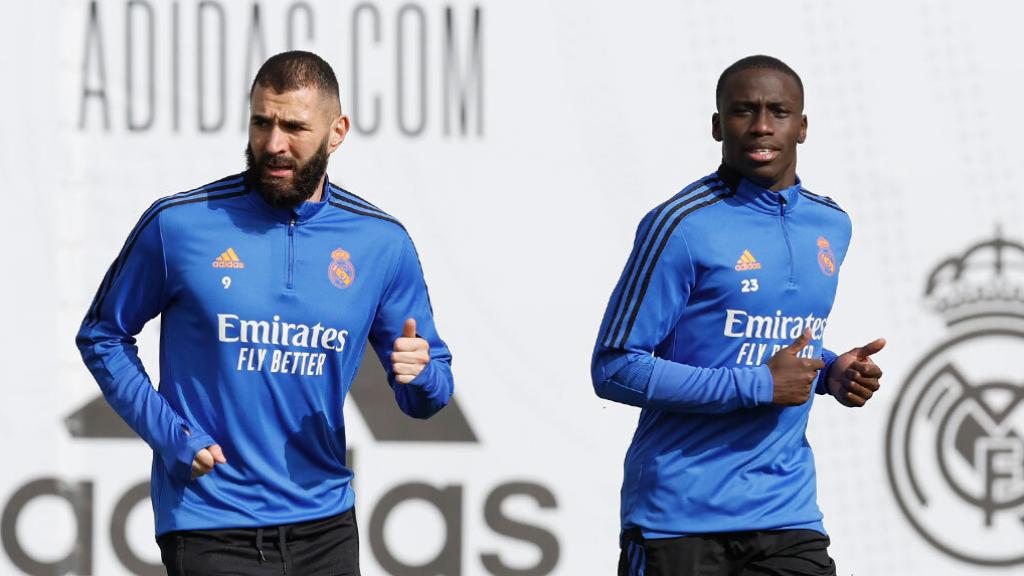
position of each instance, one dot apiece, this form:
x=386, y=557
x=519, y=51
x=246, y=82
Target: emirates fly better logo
x=955, y=439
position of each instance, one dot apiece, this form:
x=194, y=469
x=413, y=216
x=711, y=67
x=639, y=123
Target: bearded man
x=268, y=283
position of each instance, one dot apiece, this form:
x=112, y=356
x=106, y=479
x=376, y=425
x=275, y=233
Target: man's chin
x=280, y=193
x=277, y=186
x=762, y=173
x=767, y=174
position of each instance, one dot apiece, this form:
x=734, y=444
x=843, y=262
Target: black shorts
x=325, y=547
x=763, y=553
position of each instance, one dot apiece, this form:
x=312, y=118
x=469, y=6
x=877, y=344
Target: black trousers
x=759, y=553
x=326, y=547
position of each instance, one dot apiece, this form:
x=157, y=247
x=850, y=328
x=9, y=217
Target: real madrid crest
x=955, y=437
x=341, y=272
x=826, y=259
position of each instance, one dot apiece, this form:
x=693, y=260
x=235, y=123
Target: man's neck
x=786, y=181
x=780, y=185
x=318, y=195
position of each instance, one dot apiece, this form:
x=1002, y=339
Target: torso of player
x=762, y=275
x=274, y=299
x=765, y=266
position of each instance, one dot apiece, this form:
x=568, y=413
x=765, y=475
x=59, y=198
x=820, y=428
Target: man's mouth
x=278, y=169
x=278, y=172
x=762, y=153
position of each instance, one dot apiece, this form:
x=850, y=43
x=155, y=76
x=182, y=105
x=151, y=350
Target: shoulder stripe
x=823, y=200
x=378, y=215
x=155, y=207
x=341, y=194
x=657, y=255
x=231, y=183
x=216, y=186
x=710, y=180
x=647, y=264
x=639, y=258
x=147, y=217
x=358, y=204
x=632, y=271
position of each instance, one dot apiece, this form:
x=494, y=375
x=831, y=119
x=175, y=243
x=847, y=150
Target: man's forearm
x=115, y=365
x=649, y=382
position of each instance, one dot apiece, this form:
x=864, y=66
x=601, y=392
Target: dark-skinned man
x=268, y=283
x=715, y=330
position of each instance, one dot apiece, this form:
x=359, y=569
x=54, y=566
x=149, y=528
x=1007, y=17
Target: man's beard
x=276, y=191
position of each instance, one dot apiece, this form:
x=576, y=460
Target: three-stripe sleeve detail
x=641, y=266
x=225, y=188
x=634, y=257
x=657, y=255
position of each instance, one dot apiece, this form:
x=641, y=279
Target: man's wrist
x=822, y=384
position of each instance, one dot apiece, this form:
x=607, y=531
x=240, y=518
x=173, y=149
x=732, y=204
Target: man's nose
x=277, y=141
x=763, y=123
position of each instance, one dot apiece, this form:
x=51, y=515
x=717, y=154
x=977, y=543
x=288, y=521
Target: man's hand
x=411, y=354
x=793, y=376
x=206, y=459
x=853, y=377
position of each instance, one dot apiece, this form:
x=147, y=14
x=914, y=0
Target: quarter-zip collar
x=758, y=197
x=299, y=214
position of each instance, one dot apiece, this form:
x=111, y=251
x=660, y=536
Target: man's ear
x=716, y=127
x=339, y=128
x=803, y=130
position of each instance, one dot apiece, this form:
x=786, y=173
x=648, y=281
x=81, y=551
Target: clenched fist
x=206, y=459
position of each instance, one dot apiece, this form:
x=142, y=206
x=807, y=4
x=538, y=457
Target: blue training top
x=265, y=314
x=721, y=276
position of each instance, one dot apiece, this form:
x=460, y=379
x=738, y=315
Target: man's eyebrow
x=784, y=101
x=282, y=120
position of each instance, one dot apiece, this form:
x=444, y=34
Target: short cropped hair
x=294, y=70
x=757, y=62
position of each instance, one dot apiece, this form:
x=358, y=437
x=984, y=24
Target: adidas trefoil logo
x=747, y=262
x=228, y=260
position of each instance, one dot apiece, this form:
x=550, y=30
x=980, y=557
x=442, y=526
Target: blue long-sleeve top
x=265, y=314
x=721, y=276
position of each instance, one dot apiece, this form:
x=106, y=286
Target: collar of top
x=758, y=197
x=301, y=213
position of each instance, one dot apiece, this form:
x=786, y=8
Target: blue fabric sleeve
x=828, y=356
x=131, y=294
x=624, y=368
x=406, y=297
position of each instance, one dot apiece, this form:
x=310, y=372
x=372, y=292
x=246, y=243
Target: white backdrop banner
x=520, y=143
